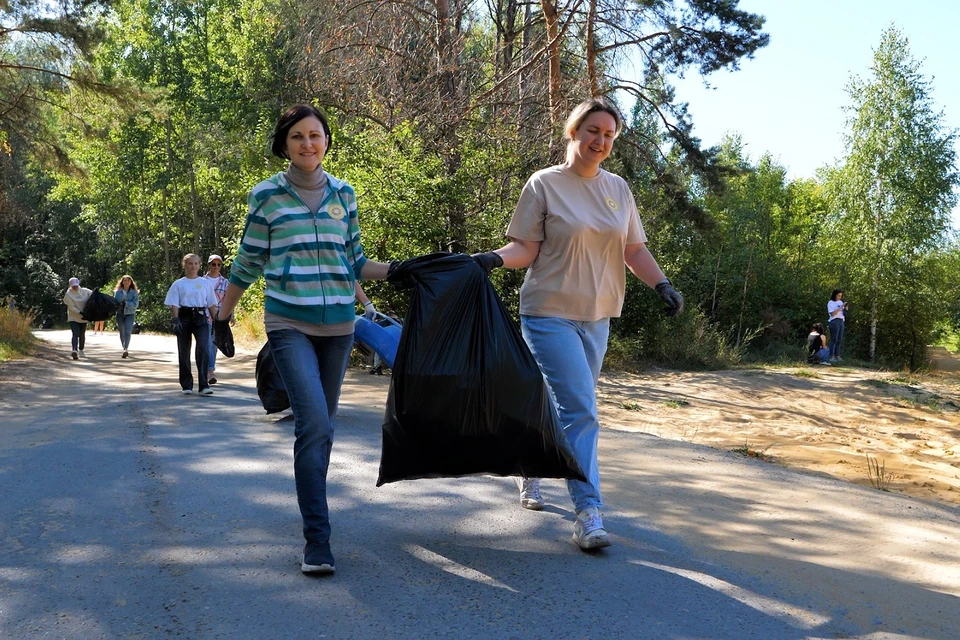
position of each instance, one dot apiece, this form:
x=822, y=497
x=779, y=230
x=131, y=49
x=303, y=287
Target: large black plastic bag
x=223, y=337
x=466, y=396
x=99, y=306
x=270, y=388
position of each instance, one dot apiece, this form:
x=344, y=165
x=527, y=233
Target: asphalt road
x=129, y=510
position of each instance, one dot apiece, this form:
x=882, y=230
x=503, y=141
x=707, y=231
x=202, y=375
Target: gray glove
x=369, y=312
x=488, y=261
x=670, y=296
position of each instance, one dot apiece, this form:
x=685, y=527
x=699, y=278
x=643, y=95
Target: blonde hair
x=583, y=110
x=183, y=263
x=133, y=283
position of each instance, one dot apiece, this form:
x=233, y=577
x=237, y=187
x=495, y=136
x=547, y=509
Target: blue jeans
x=125, y=326
x=213, y=353
x=194, y=325
x=570, y=354
x=312, y=370
x=78, y=334
x=836, y=337
x=823, y=354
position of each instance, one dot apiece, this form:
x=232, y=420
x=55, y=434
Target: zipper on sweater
x=327, y=196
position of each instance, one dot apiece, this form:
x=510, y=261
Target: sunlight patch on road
x=232, y=465
x=82, y=554
x=775, y=608
x=19, y=574
x=455, y=568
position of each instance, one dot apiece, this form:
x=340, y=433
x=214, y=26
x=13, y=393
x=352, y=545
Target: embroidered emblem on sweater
x=336, y=212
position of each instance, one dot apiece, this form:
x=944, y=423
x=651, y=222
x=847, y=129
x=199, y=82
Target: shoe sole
x=597, y=542
x=316, y=569
x=206, y=393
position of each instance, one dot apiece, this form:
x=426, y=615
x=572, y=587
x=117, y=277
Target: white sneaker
x=530, y=497
x=187, y=392
x=206, y=391
x=81, y=354
x=588, y=531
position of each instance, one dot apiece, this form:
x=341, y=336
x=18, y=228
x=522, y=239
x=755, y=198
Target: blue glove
x=670, y=296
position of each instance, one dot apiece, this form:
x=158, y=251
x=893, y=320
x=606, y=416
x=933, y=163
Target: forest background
x=131, y=132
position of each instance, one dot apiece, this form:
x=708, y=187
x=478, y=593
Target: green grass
x=675, y=404
x=15, y=337
x=806, y=373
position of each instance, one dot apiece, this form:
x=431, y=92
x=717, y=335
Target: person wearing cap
x=76, y=298
x=219, y=283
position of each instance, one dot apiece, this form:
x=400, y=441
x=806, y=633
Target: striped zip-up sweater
x=309, y=262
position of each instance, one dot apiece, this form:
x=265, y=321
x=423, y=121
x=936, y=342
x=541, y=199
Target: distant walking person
x=817, y=351
x=574, y=228
x=190, y=299
x=219, y=283
x=98, y=326
x=128, y=295
x=836, y=309
x=76, y=298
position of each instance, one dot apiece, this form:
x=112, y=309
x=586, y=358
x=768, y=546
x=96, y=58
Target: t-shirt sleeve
x=528, y=218
x=173, y=296
x=635, y=232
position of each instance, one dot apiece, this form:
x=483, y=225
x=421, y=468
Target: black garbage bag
x=273, y=395
x=223, y=337
x=466, y=396
x=99, y=306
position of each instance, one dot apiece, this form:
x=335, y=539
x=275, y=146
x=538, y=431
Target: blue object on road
x=381, y=335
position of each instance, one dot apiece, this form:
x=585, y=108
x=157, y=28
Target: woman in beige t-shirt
x=575, y=227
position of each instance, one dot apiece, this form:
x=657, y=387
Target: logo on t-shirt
x=613, y=204
x=336, y=212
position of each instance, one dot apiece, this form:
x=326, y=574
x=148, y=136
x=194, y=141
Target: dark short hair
x=818, y=327
x=290, y=117
x=833, y=296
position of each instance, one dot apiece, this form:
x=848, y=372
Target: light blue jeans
x=213, y=353
x=125, y=327
x=312, y=370
x=570, y=354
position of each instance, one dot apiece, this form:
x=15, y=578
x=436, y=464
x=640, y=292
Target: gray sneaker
x=530, y=497
x=317, y=559
x=588, y=531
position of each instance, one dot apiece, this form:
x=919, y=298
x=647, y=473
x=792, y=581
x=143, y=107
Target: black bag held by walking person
x=99, y=306
x=466, y=396
x=223, y=337
x=273, y=395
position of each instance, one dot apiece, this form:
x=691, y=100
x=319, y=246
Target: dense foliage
x=161, y=111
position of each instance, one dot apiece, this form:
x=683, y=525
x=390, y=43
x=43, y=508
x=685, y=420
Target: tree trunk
x=552, y=19
x=591, y=52
x=743, y=299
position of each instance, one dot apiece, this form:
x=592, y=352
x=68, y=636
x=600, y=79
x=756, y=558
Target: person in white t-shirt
x=575, y=227
x=836, y=314
x=190, y=299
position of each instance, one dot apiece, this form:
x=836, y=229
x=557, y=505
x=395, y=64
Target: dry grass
x=15, y=337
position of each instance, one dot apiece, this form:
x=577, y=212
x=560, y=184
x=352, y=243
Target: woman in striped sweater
x=302, y=235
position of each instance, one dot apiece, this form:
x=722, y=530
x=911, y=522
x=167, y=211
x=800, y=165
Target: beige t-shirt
x=583, y=226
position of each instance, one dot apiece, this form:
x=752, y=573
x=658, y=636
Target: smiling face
x=306, y=144
x=125, y=282
x=213, y=268
x=191, y=266
x=591, y=143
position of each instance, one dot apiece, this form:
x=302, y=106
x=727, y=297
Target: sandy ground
x=829, y=420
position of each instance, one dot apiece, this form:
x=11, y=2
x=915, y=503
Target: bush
x=15, y=336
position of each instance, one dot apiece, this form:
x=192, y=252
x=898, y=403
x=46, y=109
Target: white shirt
x=191, y=292
x=832, y=306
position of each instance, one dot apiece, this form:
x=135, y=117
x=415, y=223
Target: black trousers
x=194, y=326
